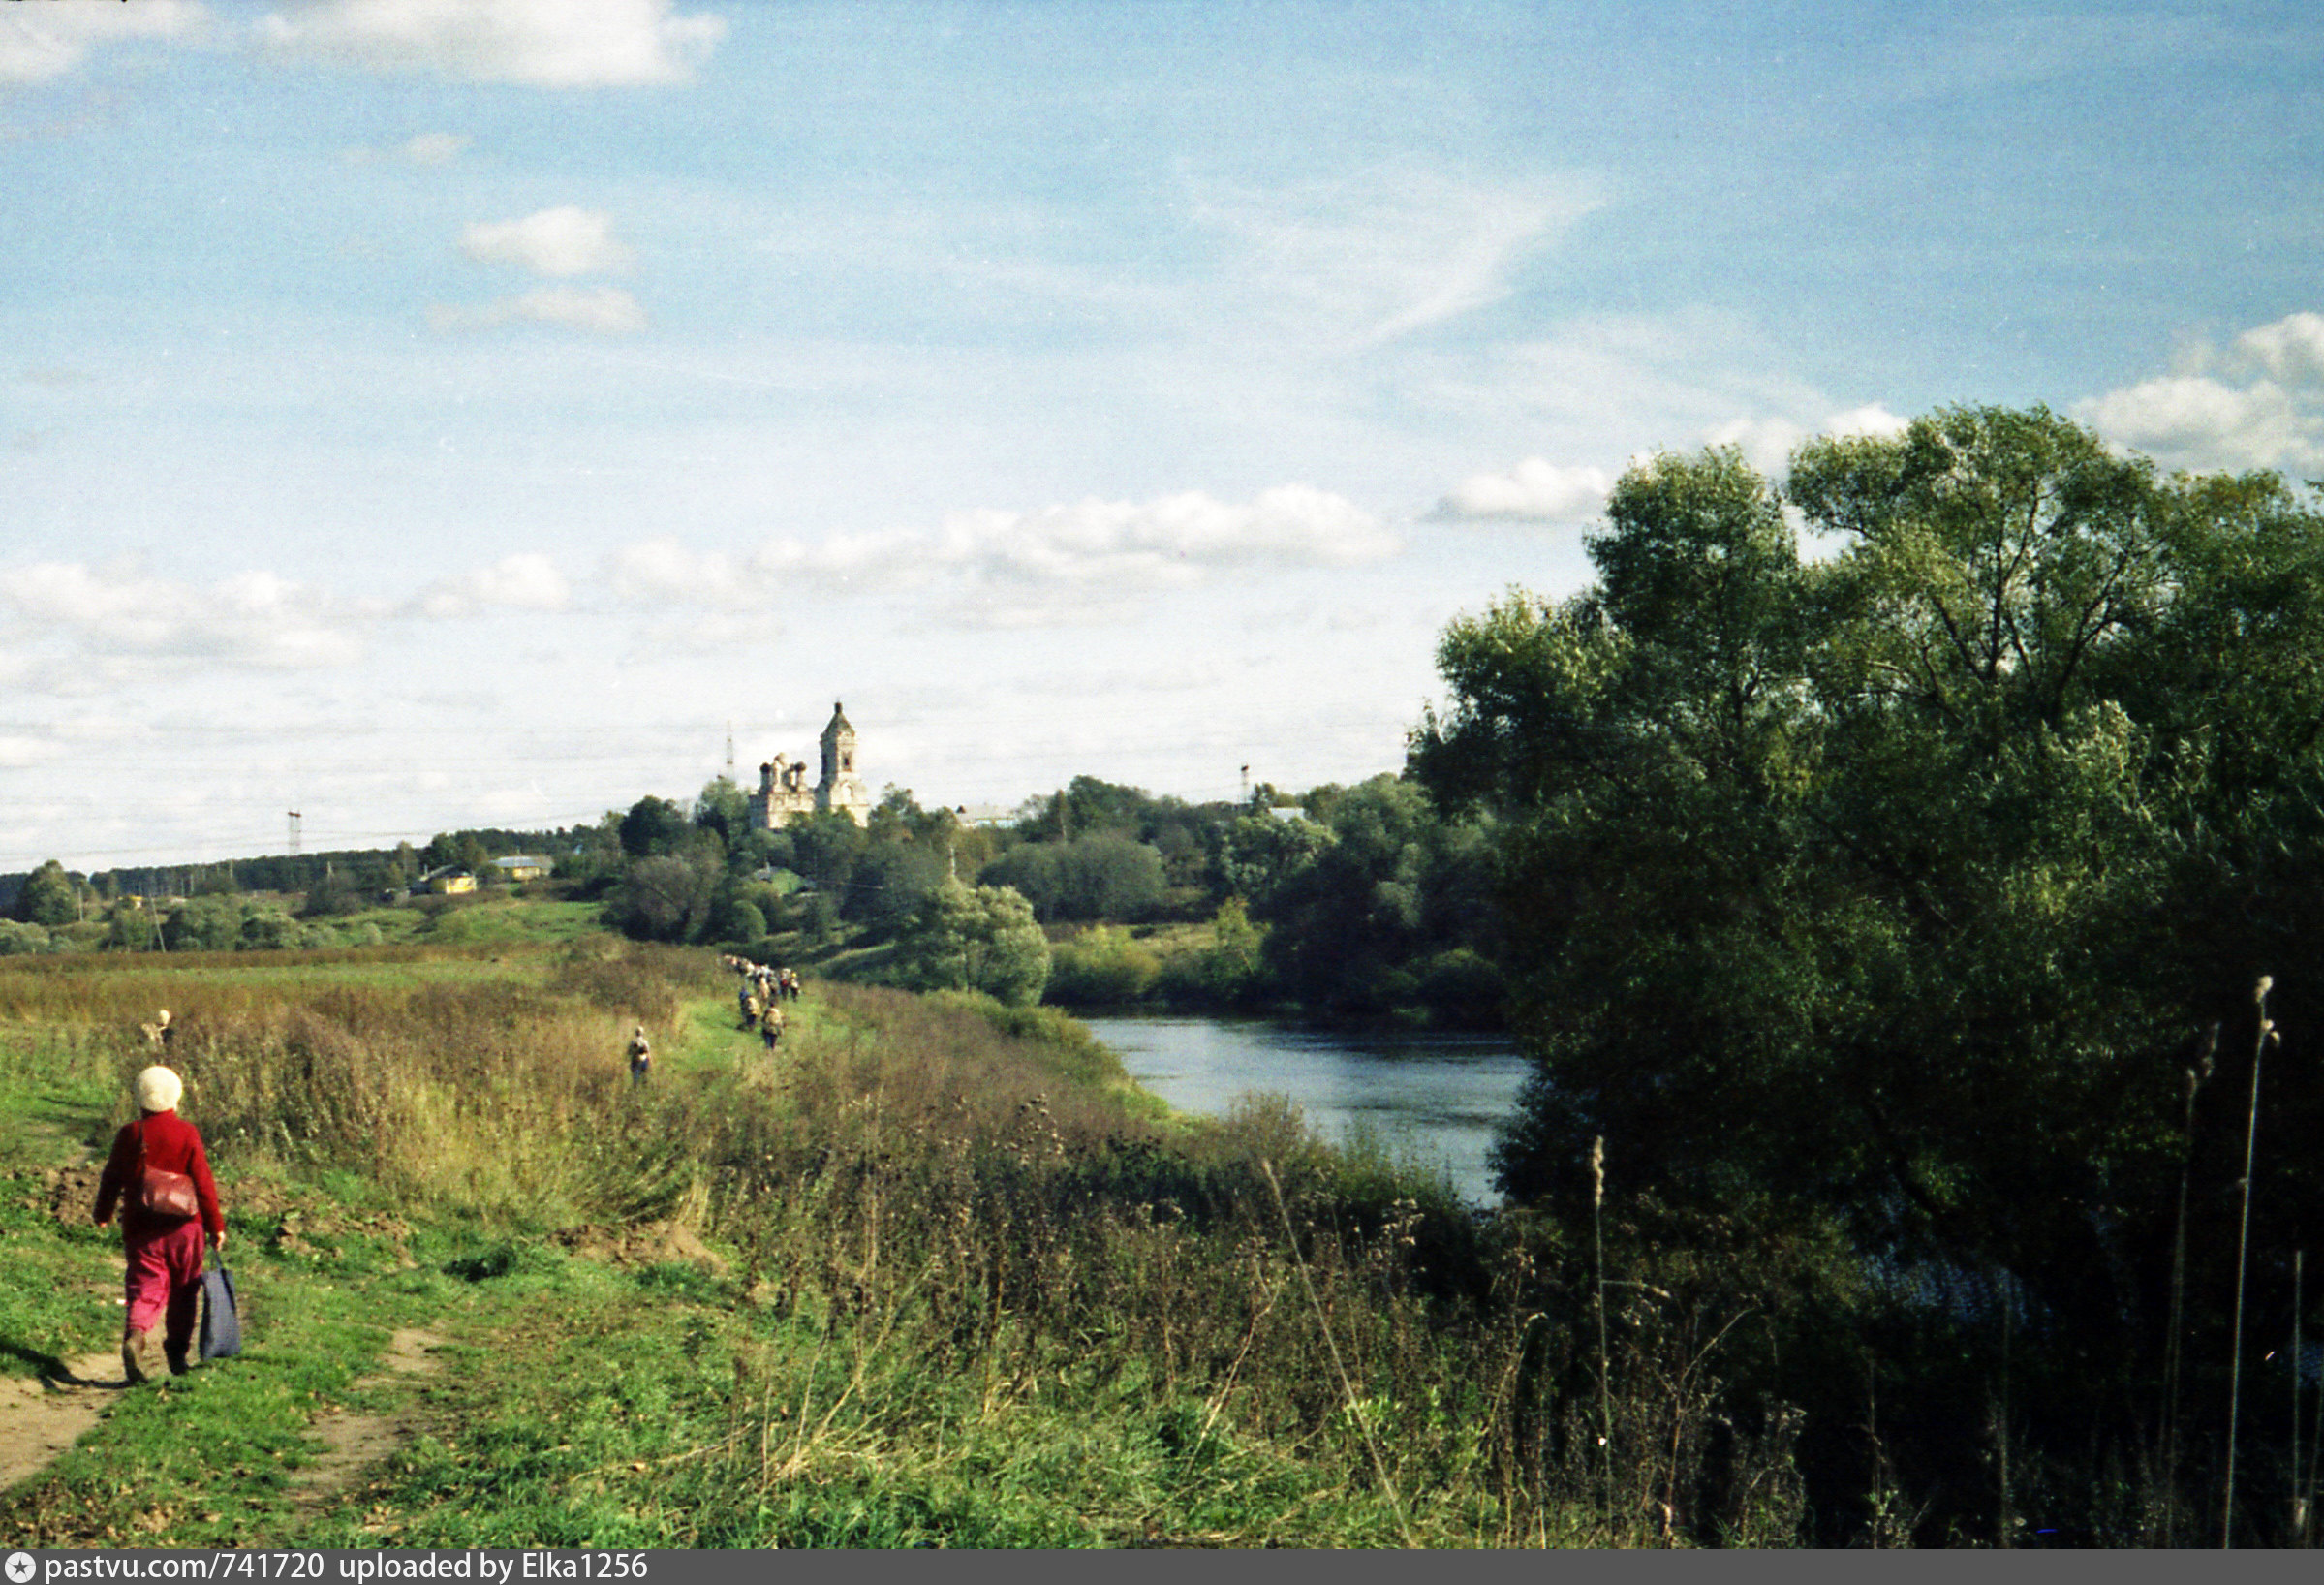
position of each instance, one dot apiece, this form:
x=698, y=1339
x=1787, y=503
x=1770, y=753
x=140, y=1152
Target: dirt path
x=40, y=1419
x=354, y=1441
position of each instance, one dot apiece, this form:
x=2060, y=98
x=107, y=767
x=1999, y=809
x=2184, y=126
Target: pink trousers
x=165, y=1273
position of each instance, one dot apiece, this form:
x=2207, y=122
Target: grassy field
x=930, y=1273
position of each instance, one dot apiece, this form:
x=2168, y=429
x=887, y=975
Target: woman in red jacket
x=165, y=1253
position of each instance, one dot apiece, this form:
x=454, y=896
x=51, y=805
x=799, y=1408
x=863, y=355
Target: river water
x=1434, y=1098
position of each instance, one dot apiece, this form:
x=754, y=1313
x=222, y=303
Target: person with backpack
x=642, y=1057
x=159, y=1175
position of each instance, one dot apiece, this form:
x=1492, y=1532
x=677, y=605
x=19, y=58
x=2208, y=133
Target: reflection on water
x=1436, y=1098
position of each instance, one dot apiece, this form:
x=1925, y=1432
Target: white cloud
x=44, y=41
x=1021, y=567
x=527, y=582
x=1125, y=550
x=1768, y=442
x=1609, y=384
x=1536, y=490
x=2198, y=421
x=434, y=147
x=2291, y=349
x=1539, y=491
x=2201, y=418
x=1872, y=418
x=426, y=148
x=17, y=751
x=1391, y=250
x=115, y=614
x=567, y=240
x=549, y=43
x=606, y=310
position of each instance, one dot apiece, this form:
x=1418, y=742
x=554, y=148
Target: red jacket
x=171, y=1143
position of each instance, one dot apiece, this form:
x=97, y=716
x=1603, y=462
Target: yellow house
x=446, y=882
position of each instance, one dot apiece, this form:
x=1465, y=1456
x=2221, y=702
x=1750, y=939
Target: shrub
x=743, y=922
x=268, y=932
x=980, y=939
x=1100, y=967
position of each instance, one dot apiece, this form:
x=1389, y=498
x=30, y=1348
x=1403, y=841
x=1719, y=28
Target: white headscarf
x=158, y=1089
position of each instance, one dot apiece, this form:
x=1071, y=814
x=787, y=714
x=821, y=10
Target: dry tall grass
x=933, y=1200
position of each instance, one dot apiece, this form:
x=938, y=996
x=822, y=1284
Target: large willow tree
x=1900, y=885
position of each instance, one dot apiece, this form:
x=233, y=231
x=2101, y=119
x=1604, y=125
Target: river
x=1434, y=1097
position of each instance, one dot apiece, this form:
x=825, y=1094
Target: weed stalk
x=2242, y=1255
x=1355, y=1410
x=2172, y=1344
x=1606, y=1392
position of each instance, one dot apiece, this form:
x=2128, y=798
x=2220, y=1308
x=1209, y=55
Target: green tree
x=724, y=808
x=48, y=897
x=742, y=922
x=982, y=937
x=824, y=847
x=474, y=857
x=1893, y=888
x=653, y=828
x=207, y=924
x=1109, y=877
x=671, y=896
x=1030, y=870
x=1250, y=853
x=1359, y=912
x=890, y=880
x=1104, y=876
x=334, y=894
x=132, y=928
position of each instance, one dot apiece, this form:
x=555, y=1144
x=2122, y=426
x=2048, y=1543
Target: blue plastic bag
x=221, y=1326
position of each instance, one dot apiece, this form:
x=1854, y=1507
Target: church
x=784, y=795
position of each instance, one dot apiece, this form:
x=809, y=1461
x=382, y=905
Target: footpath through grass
x=931, y=1272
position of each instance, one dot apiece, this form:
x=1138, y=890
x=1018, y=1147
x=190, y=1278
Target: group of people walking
x=759, y=1000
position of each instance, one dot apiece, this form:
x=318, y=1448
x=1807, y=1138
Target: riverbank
x=931, y=1272
x=1432, y=1100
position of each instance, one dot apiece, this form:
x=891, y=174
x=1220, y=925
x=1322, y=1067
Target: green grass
x=967, y=1285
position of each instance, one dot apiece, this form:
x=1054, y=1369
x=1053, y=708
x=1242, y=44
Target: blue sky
x=426, y=414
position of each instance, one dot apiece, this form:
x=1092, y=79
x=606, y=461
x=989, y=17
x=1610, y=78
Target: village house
x=784, y=795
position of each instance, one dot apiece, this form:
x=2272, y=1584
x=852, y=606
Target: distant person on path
x=770, y=1024
x=641, y=1056
x=164, y=1252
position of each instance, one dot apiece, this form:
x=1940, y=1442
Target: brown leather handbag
x=169, y=1196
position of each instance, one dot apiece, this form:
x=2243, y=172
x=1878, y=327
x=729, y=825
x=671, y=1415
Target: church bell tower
x=842, y=787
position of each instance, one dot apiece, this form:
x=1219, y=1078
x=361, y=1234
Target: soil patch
x=354, y=1441
x=655, y=1243
x=68, y=1194
x=40, y=1419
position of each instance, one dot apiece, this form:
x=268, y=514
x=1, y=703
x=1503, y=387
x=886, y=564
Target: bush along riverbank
x=930, y=1272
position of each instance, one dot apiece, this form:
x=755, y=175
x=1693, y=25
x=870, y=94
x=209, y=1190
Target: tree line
x=1953, y=897
x=1345, y=902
